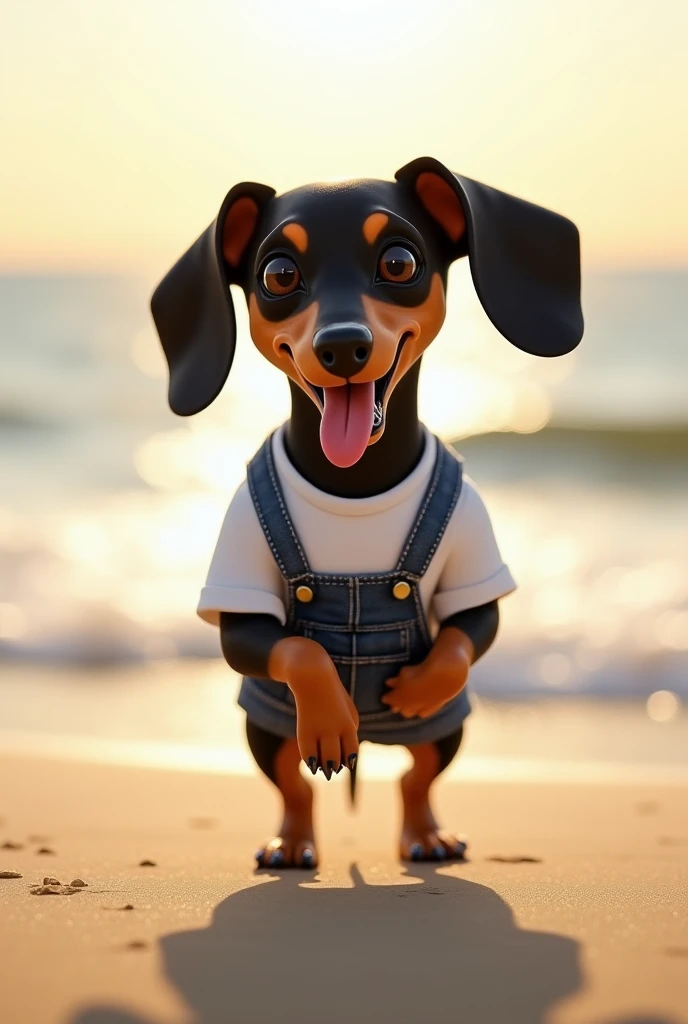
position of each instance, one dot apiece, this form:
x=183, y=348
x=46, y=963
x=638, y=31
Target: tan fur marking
x=296, y=234
x=297, y=332
x=238, y=227
x=373, y=225
x=387, y=321
x=442, y=203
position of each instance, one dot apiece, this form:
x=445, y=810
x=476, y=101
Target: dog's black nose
x=343, y=349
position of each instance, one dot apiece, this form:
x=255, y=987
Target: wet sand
x=572, y=909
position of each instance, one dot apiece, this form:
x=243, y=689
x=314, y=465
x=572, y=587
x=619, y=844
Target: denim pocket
x=378, y=646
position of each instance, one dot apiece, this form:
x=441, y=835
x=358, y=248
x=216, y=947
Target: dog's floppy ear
x=525, y=260
x=192, y=306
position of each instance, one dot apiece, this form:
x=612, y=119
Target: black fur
x=524, y=261
x=525, y=266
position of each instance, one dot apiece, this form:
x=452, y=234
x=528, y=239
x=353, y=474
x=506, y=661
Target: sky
x=123, y=125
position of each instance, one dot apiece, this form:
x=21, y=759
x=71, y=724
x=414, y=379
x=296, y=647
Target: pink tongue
x=347, y=422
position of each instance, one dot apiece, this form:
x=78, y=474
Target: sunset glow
x=123, y=125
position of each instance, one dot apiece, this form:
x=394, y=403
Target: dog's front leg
x=419, y=691
x=326, y=718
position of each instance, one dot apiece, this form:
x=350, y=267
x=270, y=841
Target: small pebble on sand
x=78, y=883
x=45, y=849
x=49, y=880
x=128, y=906
x=137, y=944
x=203, y=823
x=12, y=846
x=647, y=807
x=10, y=874
x=147, y=864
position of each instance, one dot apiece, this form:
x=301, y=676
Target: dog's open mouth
x=381, y=385
x=352, y=413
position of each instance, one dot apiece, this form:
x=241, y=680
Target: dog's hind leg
x=279, y=759
x=422, y=838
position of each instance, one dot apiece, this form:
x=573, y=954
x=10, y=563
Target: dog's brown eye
x=281, y=276
x=397, y=264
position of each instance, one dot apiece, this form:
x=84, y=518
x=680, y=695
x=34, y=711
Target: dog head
x=345, y=285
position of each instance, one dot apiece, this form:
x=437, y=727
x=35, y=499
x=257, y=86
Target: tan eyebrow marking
x=296, y=234
x=373, y=225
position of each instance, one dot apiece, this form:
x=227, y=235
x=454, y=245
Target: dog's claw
x=313, y=764
x=328, y=769
x=352, y=759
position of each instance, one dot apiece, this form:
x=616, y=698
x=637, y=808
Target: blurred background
x=123, y=126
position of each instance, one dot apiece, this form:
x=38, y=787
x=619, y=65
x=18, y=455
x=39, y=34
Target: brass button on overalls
x=304, y=594
x=401, y=590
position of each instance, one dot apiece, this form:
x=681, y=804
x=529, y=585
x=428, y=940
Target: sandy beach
x=223, y=219
x=572, y=909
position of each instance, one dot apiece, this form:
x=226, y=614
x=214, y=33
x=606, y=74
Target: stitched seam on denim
x=354, y=663
x=405, y=724
x=291, y=610
x=327, y=580
x=283, y=508
x=371, y=716
x=387, y=627
x=428, y=497
x=443, y=527
x=365, y=581
x=267, y=698
x=420, y=618
x=384, y=659
x=379, y=659
x=354, y=616
x=329, y=628
x=411, y=723
x=261, y=519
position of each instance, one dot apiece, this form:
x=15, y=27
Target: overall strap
x=273, y=516
x=434, y=513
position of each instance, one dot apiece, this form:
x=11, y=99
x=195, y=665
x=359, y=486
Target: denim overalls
x=371, y=624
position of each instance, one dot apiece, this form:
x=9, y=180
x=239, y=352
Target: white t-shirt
x=355, y=535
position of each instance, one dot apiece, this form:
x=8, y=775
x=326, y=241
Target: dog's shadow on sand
x=437, y=948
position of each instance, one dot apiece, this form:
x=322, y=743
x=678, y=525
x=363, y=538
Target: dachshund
x=356, y=578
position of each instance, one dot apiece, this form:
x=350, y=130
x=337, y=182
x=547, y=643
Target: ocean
x=110, y=505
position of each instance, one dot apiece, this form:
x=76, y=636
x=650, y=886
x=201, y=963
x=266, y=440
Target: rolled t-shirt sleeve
x=243, y=574
x=473, y=573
